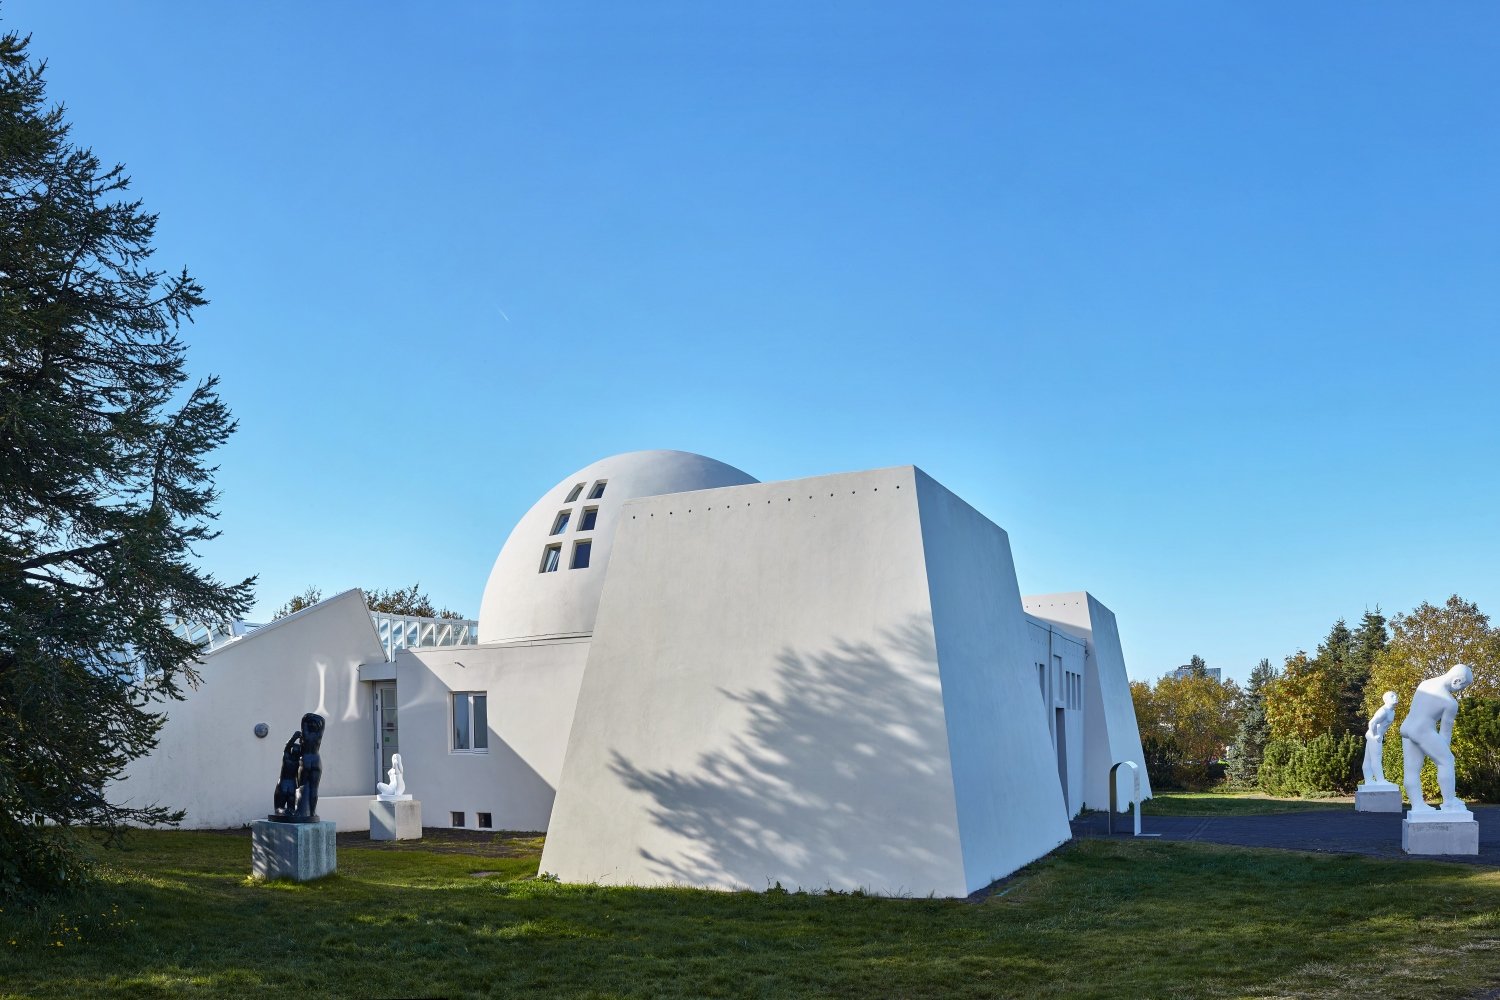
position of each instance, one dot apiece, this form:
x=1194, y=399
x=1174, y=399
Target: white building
x=686, y=676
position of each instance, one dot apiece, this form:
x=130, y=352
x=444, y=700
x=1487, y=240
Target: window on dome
x=561, y=524
x=597, y=491
x=581, y=555
x=550, y=558
x=573, y=493
x=588, y=520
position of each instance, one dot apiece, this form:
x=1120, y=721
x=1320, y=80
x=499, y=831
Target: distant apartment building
x=1186, y=670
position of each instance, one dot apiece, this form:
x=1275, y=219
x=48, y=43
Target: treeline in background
x=1299, y=730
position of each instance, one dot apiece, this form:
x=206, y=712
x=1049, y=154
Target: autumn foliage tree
x=1186, y=725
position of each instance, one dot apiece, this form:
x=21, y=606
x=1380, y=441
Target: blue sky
x=1199, y=302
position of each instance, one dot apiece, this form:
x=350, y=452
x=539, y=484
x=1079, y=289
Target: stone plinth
x=1440, y=836
x=396, y=819
x=298, y=851
x=1377, y=799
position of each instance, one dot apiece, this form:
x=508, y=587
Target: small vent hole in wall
x=458, y=819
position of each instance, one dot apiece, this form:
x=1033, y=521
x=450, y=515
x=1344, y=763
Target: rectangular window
x=471, y=724
x=573, y=493
x=597, y=491
x=561, y=524
x=581, y=555
x=457, y=819
x=1041, y=678
x=484, y=821
x=589, y=519
x=551, y=556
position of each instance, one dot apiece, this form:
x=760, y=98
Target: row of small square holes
x=788, y=500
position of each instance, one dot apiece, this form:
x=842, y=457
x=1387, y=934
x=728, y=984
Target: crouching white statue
x=396, y=788
x=1375, y=743
x=1426, y=732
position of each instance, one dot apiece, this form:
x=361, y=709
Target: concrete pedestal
x=1377, y=799
x=396, y=819
x=1457, y=836
x=298, y=851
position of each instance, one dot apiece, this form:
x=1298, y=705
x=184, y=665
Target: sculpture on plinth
x=395, y=788
x=1375, y=743
x=1427, y=732
x=296, y=798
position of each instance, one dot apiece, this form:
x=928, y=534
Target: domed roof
x=550, y=572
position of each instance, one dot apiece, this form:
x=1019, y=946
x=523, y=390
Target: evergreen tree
x=1242, y=764
x=106, y=492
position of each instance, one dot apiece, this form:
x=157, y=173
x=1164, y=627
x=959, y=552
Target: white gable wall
x=762, y=701
x=1111, y=733
x=208, y=759
x=1009, y=813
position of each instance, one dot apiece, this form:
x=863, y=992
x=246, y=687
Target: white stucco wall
x=1011, y=809
x=531, y=690
x=208, y=759
x=1110, y=730
x=764, y=700
x=1058, y=653
x=522, y=602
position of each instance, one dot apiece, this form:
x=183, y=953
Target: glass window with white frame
x=471, y=724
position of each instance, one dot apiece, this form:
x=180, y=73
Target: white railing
x=408, y=632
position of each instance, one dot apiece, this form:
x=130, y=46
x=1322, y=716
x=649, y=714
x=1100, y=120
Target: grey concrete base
x=1377, y=800
x=398, y=819
x=1440, y=837
x=298, y=851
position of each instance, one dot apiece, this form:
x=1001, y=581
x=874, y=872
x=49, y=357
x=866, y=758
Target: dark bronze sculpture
x=286, y=788
x=296, y=798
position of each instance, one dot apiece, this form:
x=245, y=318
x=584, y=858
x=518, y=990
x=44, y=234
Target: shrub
x=1324, y=765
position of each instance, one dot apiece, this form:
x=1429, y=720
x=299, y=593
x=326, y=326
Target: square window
x=457, y=819
x=551, y=556
x=597, y=491
x=581, y=555
x=484, y=821
x=589, y=519
x=471, y=724
x=561, y=524
x=573, y=493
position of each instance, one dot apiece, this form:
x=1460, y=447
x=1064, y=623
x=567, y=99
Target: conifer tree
x=105, y=490
x=1242, y=763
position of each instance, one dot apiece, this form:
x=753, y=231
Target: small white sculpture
x=1375, y=743
x=397, y=775
x=1427, y=731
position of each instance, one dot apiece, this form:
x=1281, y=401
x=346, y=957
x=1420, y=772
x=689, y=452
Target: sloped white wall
x=762, y=701
x=1010, y=801
x=208, y=759
x=532, y=688
x=1110, y=730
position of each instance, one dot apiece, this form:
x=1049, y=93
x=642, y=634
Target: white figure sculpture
x=1375, y=743
x=397, y=775
x=1427, y=731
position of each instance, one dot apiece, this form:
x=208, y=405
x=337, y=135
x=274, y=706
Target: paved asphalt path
x=1334, y=831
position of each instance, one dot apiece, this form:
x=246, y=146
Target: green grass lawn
x=177, y=916
x=1235, y=804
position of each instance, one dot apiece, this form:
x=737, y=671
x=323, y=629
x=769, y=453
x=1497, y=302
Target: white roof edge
x=277, y=623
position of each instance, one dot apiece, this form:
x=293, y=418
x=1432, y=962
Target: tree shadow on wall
x=838, y=778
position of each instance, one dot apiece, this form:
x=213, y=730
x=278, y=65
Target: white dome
x=524, y=598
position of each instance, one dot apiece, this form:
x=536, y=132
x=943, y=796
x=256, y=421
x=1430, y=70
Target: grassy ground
x=1097, y=919
x=1234, y=804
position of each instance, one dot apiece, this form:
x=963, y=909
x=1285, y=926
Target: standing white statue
x=1375, y=742
x=1427, y=731
x=397, y=775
